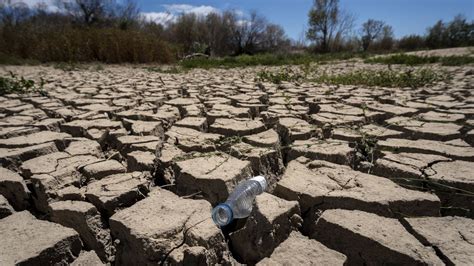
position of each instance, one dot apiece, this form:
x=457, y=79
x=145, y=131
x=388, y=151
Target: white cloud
x=49, y=4
x=172, y=12
x=184, y=8
x=159, y=17
x=244, y=22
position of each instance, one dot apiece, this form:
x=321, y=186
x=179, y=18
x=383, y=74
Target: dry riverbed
x=122, y=165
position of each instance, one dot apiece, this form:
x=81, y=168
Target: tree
x=328, y=23
x=127, y=13
x=436, y=37
x=249, y=33
x=371, y=30
x=411, y=42
x=274, y=38
x=387, y=39
x=87, y=11
x=460, y=32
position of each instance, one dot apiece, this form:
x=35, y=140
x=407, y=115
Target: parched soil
x=122, y=166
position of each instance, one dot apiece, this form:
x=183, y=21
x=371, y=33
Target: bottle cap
x=261, y=180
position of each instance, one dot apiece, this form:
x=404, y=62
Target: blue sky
x=406, y=16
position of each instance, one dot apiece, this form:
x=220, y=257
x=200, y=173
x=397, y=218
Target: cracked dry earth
x=122, y=167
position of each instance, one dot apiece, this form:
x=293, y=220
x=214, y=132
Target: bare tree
x=371, y=30
x=387, y=39
x=328, y=23
x=274, y=38
x=248, y=33
x=127, y=13
x=12, y=14
x=86, y=11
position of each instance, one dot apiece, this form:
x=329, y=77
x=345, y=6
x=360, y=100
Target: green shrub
x=385, y=78
x=279, y=59
x=457, y=60
x=412, y=60
x=403, y=59
x=13, y=84
x=285, y=74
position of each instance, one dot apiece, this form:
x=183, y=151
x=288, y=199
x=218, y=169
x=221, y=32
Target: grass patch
x=66, y=67
x=457, y=60
x=284, y=74
x=265, y=60
x=165, y=70
x=384, y=78
x=15, y=84
x=72, y=66
x=412, y=60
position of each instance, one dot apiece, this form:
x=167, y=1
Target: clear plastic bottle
x=240, y=201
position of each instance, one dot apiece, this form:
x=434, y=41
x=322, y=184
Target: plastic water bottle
x=240, y=201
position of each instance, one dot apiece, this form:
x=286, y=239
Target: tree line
x=115, y=32
x=332, y=29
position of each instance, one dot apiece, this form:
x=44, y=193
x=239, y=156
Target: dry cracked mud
x=122, y=167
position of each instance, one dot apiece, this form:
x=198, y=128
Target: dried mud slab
x=87, y=221
x=428, y=147
x=117, y=191
x=133, y=160
x=29, y=241
x=13, y=188
x=234, y=127
x=153, y=228
x=5, y=208
x=368, y=238
x=299, y=250
x=269, y=224
x=87, y=258
x=451, y=237
x=336, y=151
x=33, y=139
x=426, y=130
x=323, y=185
x=213, y=176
